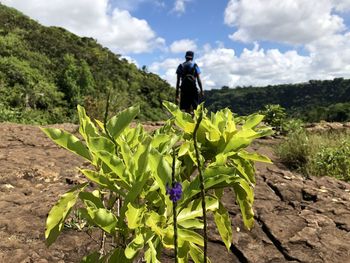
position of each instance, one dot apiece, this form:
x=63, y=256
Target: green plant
x=294, y=151
x=318, y=154
x=333, y=161
x=275, y=116
x=292, y=125
x=135, y=169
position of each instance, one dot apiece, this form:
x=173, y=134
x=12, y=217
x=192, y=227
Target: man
x=187, y=76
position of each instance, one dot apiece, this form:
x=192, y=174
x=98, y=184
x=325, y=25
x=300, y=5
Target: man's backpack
x=188, y=77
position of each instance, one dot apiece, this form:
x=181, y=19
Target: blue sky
x=236, y=42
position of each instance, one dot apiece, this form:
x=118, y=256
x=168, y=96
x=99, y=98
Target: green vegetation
x=46, y=71
x=146, y=195
x=319, y=154
x=275, y=116
x=313, y=101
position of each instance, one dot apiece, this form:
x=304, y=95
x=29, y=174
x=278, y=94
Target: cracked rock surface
x=296, y=219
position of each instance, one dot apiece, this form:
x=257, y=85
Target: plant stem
x=200, y=117
x=103, y=238
x=117, y=200
x=174, y=208
x=103, y=242
x=105, y=120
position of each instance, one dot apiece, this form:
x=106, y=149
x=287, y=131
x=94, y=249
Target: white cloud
x=326, y=58
x=221, y=66
x=135, y=4
x=288, y=21
x=331, y=56
x=116, y=28
x=127, y=33
x=315, y=25
x=166, y=69
x=131, y=60
x=341, y=5
x=183, y=45
x=253, y=67
x=180, y=6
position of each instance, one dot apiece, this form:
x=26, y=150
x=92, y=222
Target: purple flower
x=175, y=192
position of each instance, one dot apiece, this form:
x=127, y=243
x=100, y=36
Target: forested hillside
x=46, y=71
x=312, y=101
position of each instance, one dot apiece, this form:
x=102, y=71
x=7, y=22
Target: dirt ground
x=297, y=219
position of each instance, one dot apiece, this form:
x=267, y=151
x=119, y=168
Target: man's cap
x=189, y=54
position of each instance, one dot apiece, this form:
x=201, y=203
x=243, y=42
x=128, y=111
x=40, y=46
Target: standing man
x=187, y=77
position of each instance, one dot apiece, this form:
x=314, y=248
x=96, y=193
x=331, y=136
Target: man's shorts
x=189, y=100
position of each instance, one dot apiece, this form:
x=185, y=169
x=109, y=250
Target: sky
x=236, y=42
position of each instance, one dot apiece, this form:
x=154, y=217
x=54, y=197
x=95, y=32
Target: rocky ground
x=297, y=219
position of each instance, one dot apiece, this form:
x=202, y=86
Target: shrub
x=146, y=197
x=292, y=125
x=295, y=150
x=275, y=116
x=333, y=161
x=317, y=154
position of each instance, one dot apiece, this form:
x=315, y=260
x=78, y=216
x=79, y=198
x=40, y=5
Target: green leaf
x=85, y=215
x=103, y=218
x=245, y=166
x=90, y=200
x=182, y=119
x=245, y=199
x=191, y=223
x=190, y=236
x=244, y=169
x=101, y=144
x=118, y=256
x=134, y=215
x=161, y=170
x=252, y=121
x=254, y=157
x=265, y=132
x=183, y=251
x=92, y=258
x=87, y=129
x=134, y=246
x=100, y=124
x=68, y=141
x=159, y=140
x=194, y=209
x=155, y=221
x=214, y=171
x=197, y=254
x=141, y=159
x=236, y=143
x=127, y=154
x=133, y=193
x=59, y=213
x=184, y=148
x=223, y=224
x=151, y=252
x=102, y=180
x=214, y=177
x=118, y=123
x=115, y=164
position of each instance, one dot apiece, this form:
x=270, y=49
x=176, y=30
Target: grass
x=318, y=154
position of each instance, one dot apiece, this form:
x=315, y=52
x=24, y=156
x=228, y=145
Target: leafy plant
x=275, y=116
x=148, y=196
x=318, y=154
x=334, y=161
x=292, y=125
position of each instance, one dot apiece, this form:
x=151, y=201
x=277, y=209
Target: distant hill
x=312, y=101
x=46, y=71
